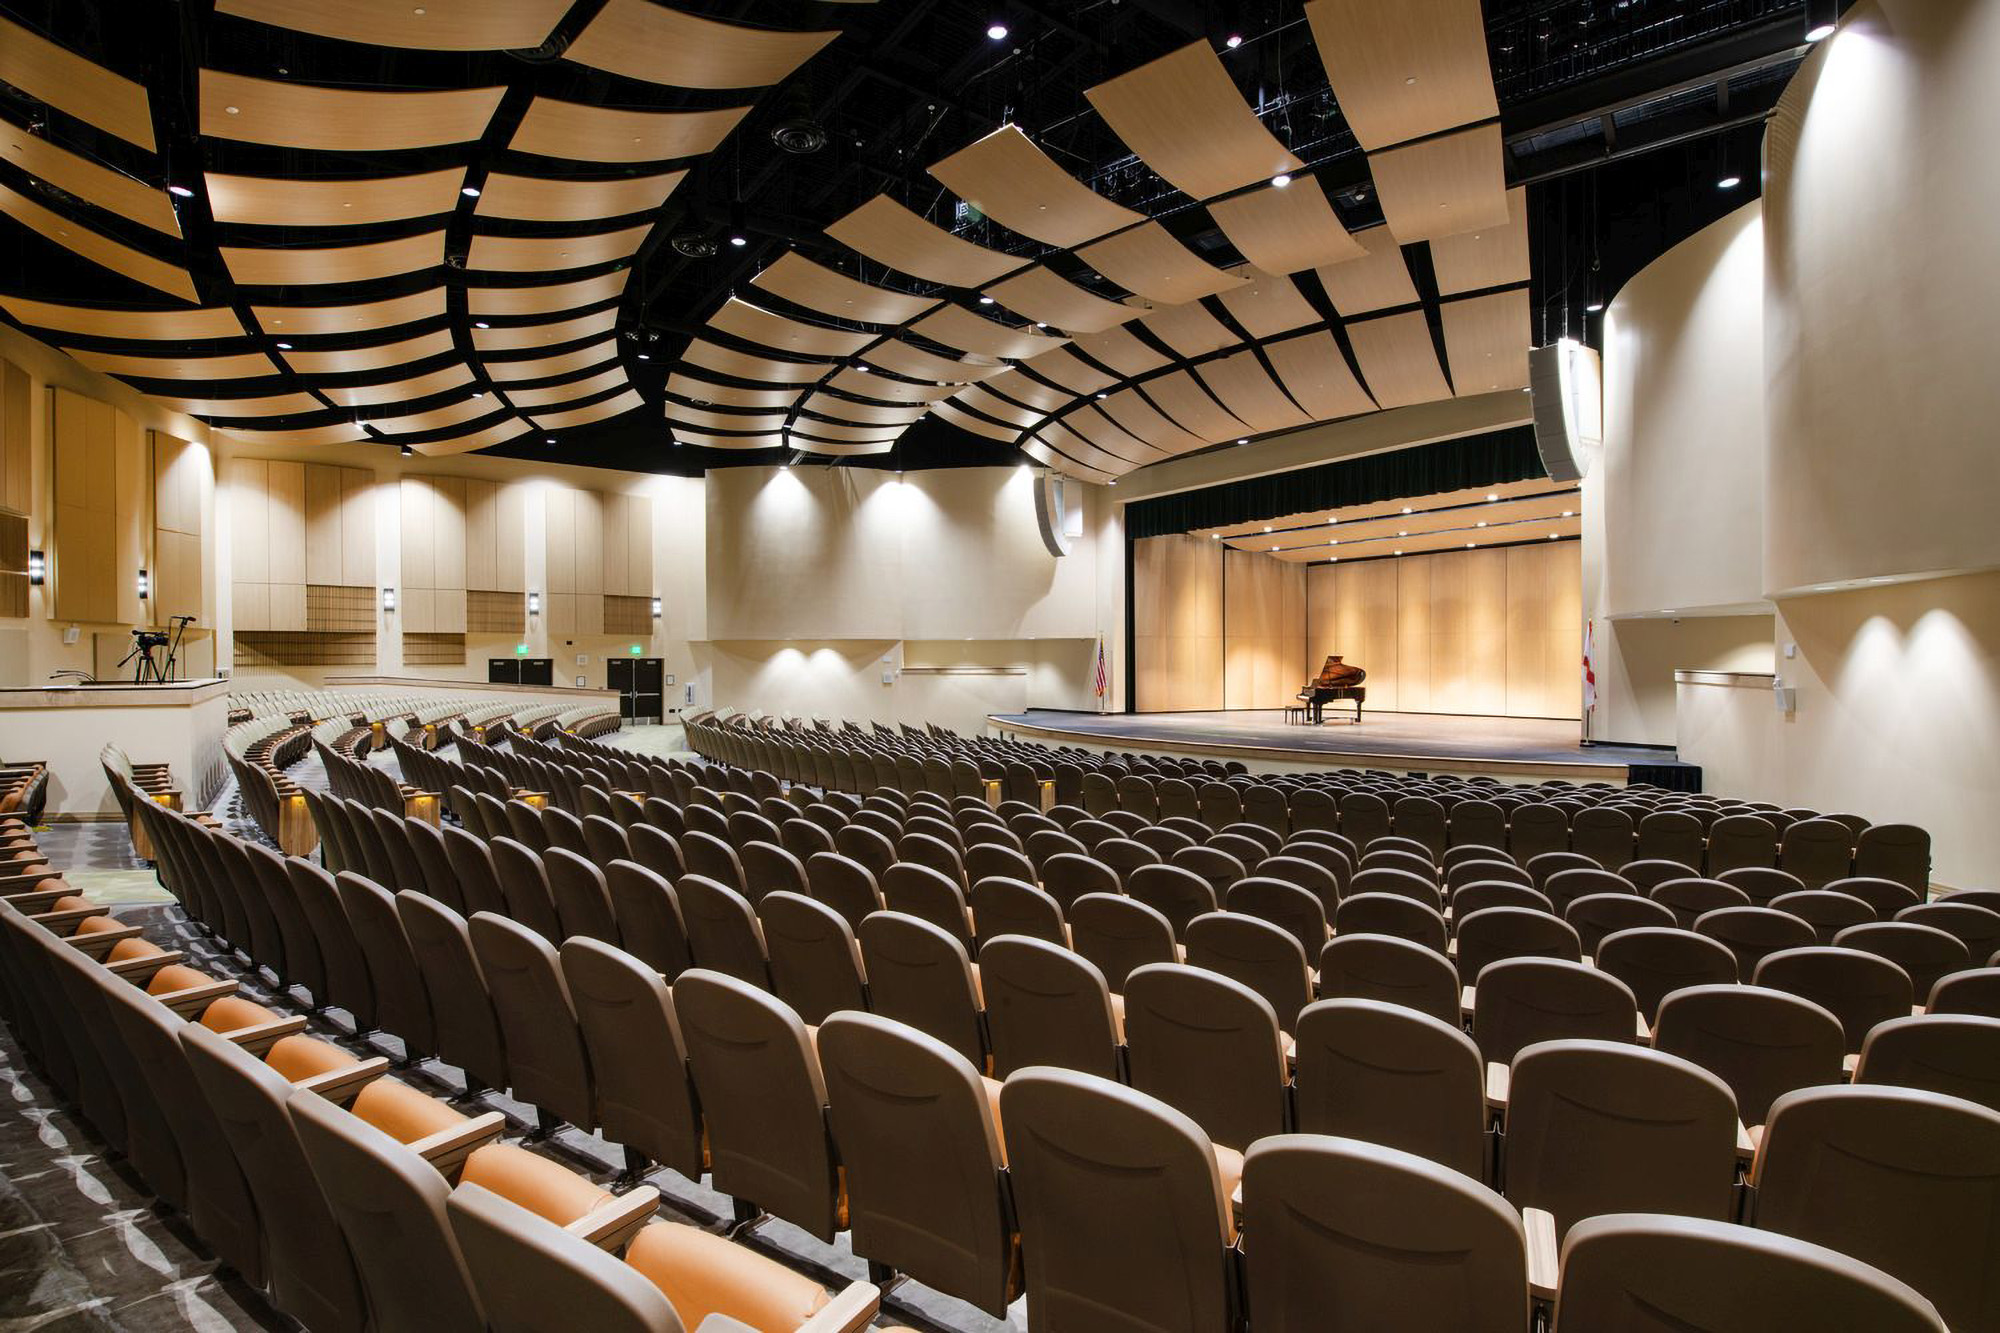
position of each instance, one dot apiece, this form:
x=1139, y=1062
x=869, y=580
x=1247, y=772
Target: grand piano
x=1336, y=681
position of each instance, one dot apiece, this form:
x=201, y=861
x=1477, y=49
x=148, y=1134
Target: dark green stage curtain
x=1450, y=465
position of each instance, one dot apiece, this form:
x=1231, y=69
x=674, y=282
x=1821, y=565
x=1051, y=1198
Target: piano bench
x=1295, y=713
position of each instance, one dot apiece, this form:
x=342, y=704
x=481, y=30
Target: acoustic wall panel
x=98, y=541
x=1177, y=623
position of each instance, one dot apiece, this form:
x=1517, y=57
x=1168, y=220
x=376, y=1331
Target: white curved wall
x=1881, y=193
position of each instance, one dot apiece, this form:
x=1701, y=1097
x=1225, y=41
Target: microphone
x=184, y=620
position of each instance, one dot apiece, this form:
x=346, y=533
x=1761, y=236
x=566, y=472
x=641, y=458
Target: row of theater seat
x=806, y=954
x=356, y=1200
x=914, y=1128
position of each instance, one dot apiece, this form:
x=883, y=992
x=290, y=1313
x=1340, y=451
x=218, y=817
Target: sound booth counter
x=179, y=723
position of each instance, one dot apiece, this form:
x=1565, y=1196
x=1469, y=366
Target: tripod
x=144, y=668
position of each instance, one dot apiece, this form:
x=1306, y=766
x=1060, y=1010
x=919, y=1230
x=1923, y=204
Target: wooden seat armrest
x=259, y=1038
x=99, y=944
x=611, y=1226
x=36, y=867
x=1640, y=1032
x=190, y=1003
x=1499, y=1082
x=344, y=1085
x=448, y=1148
x=1850, y=1063
x=32, y=904
x=139, y=971
x=1544, y=1255
x=207, y=820
x=852, y=1309
x=62, y=923
x=1749, y=1138
x=151, y=768
x=1467, y=997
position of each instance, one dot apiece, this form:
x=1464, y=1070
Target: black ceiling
x=1620, y=115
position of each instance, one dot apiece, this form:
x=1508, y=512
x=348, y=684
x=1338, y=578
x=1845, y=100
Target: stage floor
x=1522, y=747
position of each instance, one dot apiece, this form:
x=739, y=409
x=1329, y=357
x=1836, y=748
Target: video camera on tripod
x=147, y=671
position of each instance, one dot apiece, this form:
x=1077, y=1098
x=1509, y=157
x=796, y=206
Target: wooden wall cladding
x=13, y=565
x=488, y=612
x=183, y=509
x=599, y=546
x=297, y=648
x=1177, y=648
x=101, y=493
x=628, y=615
x=17, y=416
x=433, y=649
x=337, y=608
x=293, y=524
x=1263, y=630
x=1487, y=631
x=434, y=555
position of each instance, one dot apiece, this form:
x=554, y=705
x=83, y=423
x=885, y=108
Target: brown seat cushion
x=703, y=1274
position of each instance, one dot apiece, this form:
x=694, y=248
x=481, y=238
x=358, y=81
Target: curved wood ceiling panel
x=1057, y=436
x=762, y=422
x=742, y=365
x=522, y=337
x=955, y=326
x=1019, y=186
x=1398, y=359
x=484, y=438
x=1241, y=384
x=824, y=431
x=977, y=425
x=550, y=254
x=381, y=356
x=98, y=248
x=831, y=292
x=1185, y=119
x=548, y=367
x=276, y=405
x=589, y=412
x=1018, y=387
x=857, y=380
x=895, y=237
x=1404, y=70
x=1379, y=280
x=402, y=391
x=1093, y=430
x=1145, y=424
x=702, y=393
x=112, y=191
x=567, y=130
x=800, y=440
x=71, y=84
x=435, y=25
x=1064, y=367
x=1042, y=295
x=1314, y=372
x=1267, y=306
x=604, y=381
x=642, y=40
x=273, y=202
x=1068, y=467
x=903, y=359
x=297, y=115
x=540, y=199
x=436, y=418
x=1149, y=261
x=1189, y=329
x=338, y=433
x=1491, y=257
x=241, y=366
x=1190, y=407
x=1119, y=350
x=740, y=442
x=285, y=321
x=304, y=267
x=126, y=325
x=755, y=324
x=867, y=414
x=989, y=404
x=1285, y=230
x=1486, y=340
x=1443, y=186
x=547, y=298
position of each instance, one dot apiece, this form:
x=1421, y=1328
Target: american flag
x=1103, y=681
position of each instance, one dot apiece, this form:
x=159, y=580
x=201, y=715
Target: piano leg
x=1357, y=712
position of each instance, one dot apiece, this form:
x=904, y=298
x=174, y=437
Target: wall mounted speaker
x=1058, y=511
x=1568, y=388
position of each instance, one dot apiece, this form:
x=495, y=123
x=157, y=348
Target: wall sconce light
x=388, y=599
x=534, y=603
x=38, y=568
x=145, y=585
x=656, y=608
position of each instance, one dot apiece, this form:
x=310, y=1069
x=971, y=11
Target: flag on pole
x=1103, y=680
x=1589, y=673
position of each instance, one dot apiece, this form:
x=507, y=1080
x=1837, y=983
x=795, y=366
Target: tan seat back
x=722, y=929
x=1858, y=988
x=1599, y=1127
x=1115, y=1191
x=1648, y=1272
x=762, y=1097
x=1210, y=1047
x=1119, y=934
x=1352, y=1234
x=468, y=1032
x=525, y=885
x=1525, y=1000
x=1258, y=954
x=1763, y=1043
x=1955, y=1054
x=1003, y=905
x=1655, y=961
x=533, y=1276
x=645, y=1096
x=929, y=894
x=1046, y=1005
x=648, y=913
x=920, y=975
x=1367, y=966
x=546, y=1062
x=401, y=1003
x=844, y=884
x=583, y=904
x=815, y=963
x=348, y=984
x=1389, y=1075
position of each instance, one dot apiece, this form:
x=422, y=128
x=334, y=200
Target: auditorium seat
x=348, y=982
x=1208, y=1046
x=1119, y=934
x=1068, y=876
x=648, y=913
x=1286, y=906
x=1258, y=954
x=723, y=932
x=1115, y=1188
x=1954, y=1054
x=1363, y=966
x=1924, y=952
x=467, y=1030
x=547, y=1066
x=1817, y=850
x=1886, y=896
x=1634, y=1271
x=1860, y=989
x=471, y=859
x=1687, y=898
x=1826, y=912
x=1597, y=915
x=1978, y=927
x=1340, y=1233
x=814, y=960
x=1564, y=886
x=1511, y=932
x=1521, y=1001
x=638, y=1057
x=1389, y=1075
x=1003, y=905
x=1397, y=914
x=1973, y=991
x=1905, y=1180
x=1046, y=1005
x=525, y=885
x=1607, y=1127
x=401, y=1003
x=846, y=885
x=922, y=975
x=1655, y=961
x=929, y=894
x=658, y=850
x=1604, y=835
x=1763, y=1043
x=1754, y=933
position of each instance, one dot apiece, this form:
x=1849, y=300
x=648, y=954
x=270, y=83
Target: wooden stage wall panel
x=1263, y=630
x=1177, y=623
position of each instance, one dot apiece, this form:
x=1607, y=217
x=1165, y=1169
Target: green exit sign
x=520, y=650
x=635, y=650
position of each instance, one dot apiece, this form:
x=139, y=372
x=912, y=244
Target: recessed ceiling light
x=1395, y=553
x=1281, y=180
x=997, y=31
x=1593, y=307
x=1406, y=509
x=1569, y=513
x=1244, y=440
x=1882, y=580
x=1233, y=40
x=986, y=300
x=469, y=191
x=1409, y=82
x=1470, y=545
x=181, y=190
x=1040, y=325
x=1482, y=522
x=481, y=324
x=645, y=356
x=1729, y=182
x=479, y=393
x=284, y=347
x=408, y=451
x=1819, y=33
x=1215, y=536
x=1404, y=533
x=1101, y=395
x=231, y=110
x=548, y=439
x=1492, y=496
x=1267, y=527
x=1555, y=536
